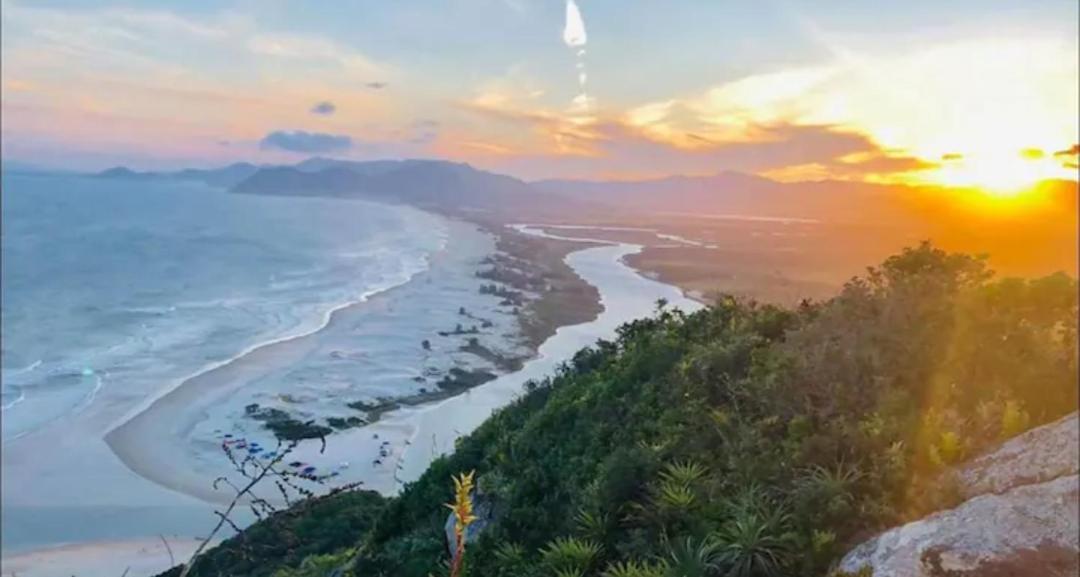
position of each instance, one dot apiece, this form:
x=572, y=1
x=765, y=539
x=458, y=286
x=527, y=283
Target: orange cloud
x=634, y=146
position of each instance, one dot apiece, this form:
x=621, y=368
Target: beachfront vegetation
x=743, y=440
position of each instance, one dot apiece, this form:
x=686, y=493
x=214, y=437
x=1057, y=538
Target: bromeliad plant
x=462, y=508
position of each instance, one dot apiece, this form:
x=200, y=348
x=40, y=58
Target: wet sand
x=134, y=558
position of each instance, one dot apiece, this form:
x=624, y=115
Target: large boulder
x=1020, y=518
x=1041, y=454
x=1032, y=527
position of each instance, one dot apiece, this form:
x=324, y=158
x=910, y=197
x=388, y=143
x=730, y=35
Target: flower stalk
x=462, y=508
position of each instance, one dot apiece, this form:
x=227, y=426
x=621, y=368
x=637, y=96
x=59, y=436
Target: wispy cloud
x=627, y=146
x=575, y=37
x=134, y=79
x=314, y=51
x=920, y=101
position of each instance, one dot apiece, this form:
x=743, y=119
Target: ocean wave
x=99, y=383
x=198, y=289
x=16, y=401
x=403, y=276
x=9, y=389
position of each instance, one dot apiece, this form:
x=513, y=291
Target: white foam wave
x=305, y=329
x=21, y=398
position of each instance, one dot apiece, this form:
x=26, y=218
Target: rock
x=1034, y=523
x=1041, y=454
x=484, y=511
x=1020, y=517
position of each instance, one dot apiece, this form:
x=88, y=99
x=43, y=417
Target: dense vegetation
x=744, y=439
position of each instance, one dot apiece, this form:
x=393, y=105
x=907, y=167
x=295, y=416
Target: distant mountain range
x=737, y=193
x=446, y=187
x=440, y=185
x=225, y=177
x=460, y=189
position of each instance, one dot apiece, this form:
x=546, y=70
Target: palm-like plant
x=691, y=557
x=753, y=546
x=756, y=540
x=832, y=490
x=684, y=473
x=672, y=496
x=635, y=569
x=569, y=554
x=510, y=555
x=592, y=525
x=675, y=493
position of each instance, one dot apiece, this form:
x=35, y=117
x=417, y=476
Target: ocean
x=133, y=284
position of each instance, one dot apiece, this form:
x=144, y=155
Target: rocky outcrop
x=1020, y=518
x=1039, y=455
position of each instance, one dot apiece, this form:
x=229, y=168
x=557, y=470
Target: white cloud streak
x=574, y=37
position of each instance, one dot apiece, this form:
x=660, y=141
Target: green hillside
x=740, y=440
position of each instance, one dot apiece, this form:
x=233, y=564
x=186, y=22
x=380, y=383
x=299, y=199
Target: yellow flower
x=462, y=505
x=462, y=508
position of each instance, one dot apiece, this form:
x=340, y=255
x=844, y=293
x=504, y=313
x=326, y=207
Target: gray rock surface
x=1020, y=519
x=1033, y=523
x=1041, y=454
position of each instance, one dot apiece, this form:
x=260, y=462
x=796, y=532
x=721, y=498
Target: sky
x=966, y=92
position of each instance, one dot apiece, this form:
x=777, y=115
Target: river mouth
x=413, y=437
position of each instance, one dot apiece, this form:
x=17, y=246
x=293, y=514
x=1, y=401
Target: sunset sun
x=1001, y=175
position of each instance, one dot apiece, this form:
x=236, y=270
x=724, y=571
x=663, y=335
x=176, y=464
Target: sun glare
x=1002, y=175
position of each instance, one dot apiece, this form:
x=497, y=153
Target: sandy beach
x=415, y=436
x=105, y=559
x=412, y=436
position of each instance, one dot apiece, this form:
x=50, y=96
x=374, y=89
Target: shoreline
x=170, y=416
x=417, y=435
x=327, y=318
x=297, y=333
